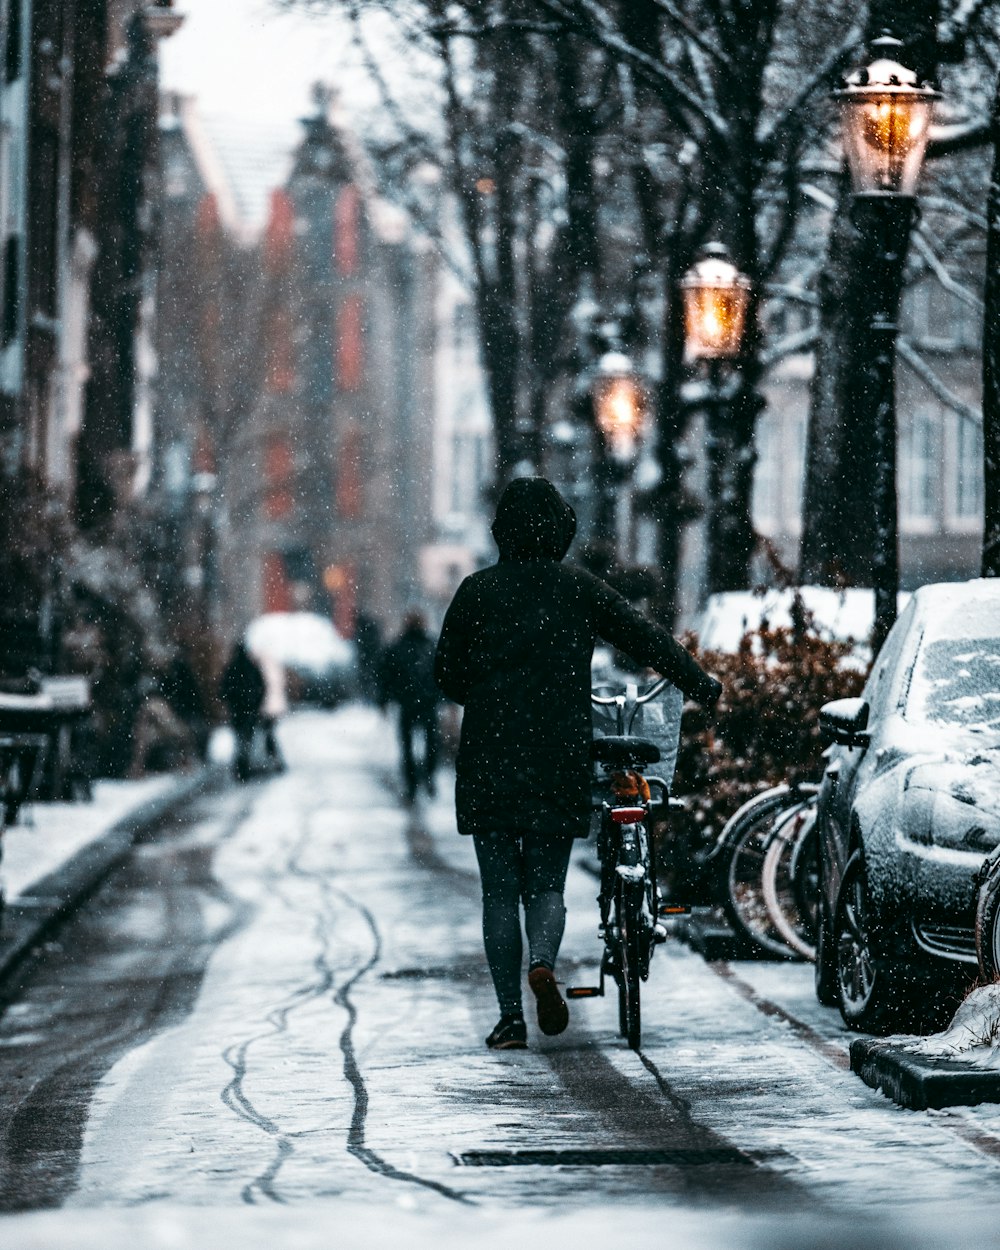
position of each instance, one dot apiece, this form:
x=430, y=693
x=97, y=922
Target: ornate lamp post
x=716, y=298
x=620, y=402
x=886, y=114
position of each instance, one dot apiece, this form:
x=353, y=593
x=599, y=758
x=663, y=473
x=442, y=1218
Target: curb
x=922, y=1082
x=29, y=918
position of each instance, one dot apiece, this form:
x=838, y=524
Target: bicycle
x=740, y=854
x=629, y=901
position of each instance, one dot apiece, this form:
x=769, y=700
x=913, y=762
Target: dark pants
x=418, y=766
x=243, y=759
x=525, y=868
x=272, y=752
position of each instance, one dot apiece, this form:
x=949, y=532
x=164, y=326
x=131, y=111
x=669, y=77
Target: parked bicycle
x=767, y=868
x=629, y=901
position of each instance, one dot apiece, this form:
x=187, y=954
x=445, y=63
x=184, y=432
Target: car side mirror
x=845, y=721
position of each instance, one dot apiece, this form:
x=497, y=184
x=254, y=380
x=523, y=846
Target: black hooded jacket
x=515, y=649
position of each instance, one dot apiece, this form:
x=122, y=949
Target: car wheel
x=871, y=992
x=988, y=925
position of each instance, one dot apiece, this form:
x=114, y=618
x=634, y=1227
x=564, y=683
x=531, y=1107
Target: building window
x=350, y=343
x=938, y=319
x=279, y=473
x=920, y=457
x=346, y=236
x=350, y=497
x=767, y=476
x=468, y=471
x=795, y=469
x=965, y=473
x=277, y=588
x=279, y=373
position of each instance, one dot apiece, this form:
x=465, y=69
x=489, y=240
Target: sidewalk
x=59, y=852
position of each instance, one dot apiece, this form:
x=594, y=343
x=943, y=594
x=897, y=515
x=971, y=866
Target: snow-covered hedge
x=765, y=729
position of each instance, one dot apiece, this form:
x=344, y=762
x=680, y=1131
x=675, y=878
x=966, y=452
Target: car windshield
x=956, y=681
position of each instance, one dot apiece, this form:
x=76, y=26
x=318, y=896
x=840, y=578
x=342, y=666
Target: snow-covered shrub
x=764, y=730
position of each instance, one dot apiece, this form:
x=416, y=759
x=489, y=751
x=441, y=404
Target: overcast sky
x=244, y=58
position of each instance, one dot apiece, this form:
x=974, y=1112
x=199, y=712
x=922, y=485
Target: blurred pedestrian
x=516, y=649
x=407, y=679
x=242, y=690
x=181, y=688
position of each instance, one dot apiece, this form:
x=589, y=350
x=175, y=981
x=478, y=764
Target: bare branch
x=591, y=21
x=954, y=208
x=916, y=363
x=694, y=34
x=933, y=263
x=960, y=137
x=834, y=62
x=794, y=294
x=790, y=345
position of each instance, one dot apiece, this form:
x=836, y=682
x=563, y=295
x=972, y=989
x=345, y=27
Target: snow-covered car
x=322, y=664
x=909, y=810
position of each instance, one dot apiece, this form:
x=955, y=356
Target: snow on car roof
x=961, y=609
x=956, y=678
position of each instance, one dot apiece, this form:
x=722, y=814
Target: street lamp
x=619, y=396
x=716, y=302
x=886, y=119
x=886, y=114
x=716, y=298
x=620, y=401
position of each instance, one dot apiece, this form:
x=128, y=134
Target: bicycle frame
x=628, y=897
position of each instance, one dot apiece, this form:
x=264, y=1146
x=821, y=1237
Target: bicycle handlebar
x=609, y=700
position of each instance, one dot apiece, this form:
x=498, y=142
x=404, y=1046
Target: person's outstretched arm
x=648, y=643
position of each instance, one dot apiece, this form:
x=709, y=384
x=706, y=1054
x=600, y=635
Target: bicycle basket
x=659, y=720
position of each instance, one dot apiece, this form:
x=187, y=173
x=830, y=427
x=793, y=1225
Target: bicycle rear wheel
x=628, y=917
x=744, y=844
x=788, y=881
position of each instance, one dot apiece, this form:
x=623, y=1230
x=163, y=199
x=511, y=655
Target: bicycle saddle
x=614, y=750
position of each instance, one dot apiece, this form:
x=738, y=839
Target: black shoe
x=510, y=1033
x=553, y=1014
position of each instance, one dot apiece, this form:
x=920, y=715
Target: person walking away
x=242, y=692
x=515, y=649
x=182, y=690
x=408, y=680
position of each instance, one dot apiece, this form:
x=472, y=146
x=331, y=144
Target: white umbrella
x=299, y=640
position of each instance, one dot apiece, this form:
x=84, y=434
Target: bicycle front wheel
x=629, y=923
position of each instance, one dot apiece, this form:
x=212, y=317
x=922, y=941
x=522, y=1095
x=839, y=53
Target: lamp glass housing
x=886, y=115
x=716, y=300
x=620, y=402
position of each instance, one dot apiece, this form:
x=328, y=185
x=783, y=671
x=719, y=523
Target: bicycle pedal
x=584, y=991
x=674, y=909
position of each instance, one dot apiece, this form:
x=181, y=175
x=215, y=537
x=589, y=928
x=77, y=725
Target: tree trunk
x=991, y=366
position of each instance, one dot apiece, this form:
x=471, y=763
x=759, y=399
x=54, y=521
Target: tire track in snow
x=356, y=1143
x=235, y=1097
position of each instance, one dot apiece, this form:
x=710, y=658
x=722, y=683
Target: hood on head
x=533, y=521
